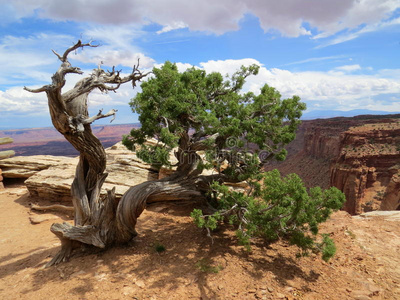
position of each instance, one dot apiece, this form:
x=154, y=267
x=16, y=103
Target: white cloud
x=333, y=89
x=18, y=100
x=228, y=66
x=315, y=59
x=351, y=35
x=27, y=60
x=173, y=26
x=116, y=47
x=288, y=17
x=113, y=57
x=349, y=68
x=339, y=89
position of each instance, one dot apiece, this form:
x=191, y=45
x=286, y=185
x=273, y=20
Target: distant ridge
x=48, y=141
x=326, y=114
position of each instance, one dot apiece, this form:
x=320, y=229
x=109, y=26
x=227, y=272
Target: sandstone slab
x=125, y=169
x=27, y=166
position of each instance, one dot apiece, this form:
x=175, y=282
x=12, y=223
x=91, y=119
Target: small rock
x=289, y=289
x=375, y=290
x=18, y=192
x=260, y=294
x=270, y=289
x=156, y=208
x=101, y=276
x=76, y=274
x=140, y=283
x=37, y=219
x=280, y=296
x=361, y=297
x=128, y=290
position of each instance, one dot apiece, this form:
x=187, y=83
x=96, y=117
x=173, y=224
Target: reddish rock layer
x=368, y=167
x=322, y=154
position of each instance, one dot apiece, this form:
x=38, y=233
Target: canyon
x=47, y=141
x=358, y=155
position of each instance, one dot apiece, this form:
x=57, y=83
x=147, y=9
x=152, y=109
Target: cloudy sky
x=336, y=55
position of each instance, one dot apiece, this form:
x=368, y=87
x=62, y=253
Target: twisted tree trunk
x=94, y=221
x=103, y=221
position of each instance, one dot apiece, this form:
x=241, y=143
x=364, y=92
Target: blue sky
x=336, y=55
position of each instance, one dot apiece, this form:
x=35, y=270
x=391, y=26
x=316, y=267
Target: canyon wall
x=368, y=167
x=359, y=155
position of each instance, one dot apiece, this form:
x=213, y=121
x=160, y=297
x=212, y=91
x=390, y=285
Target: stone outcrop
x=322, y=154
x=368, y=167
x=1, y=180
x=50, y=177
x=5, y=154
x=27, y=166
x=124, y=170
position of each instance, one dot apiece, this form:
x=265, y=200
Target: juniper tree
x=210, y=124
x=205, y=119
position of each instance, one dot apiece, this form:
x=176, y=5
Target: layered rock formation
x=360, y=156
x=1, y=181
x=322, y=154
x=368, y=167
x=3, y=155
x=50, y=177
x=27, y=166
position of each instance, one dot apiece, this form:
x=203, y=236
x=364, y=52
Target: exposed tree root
x=51, y=207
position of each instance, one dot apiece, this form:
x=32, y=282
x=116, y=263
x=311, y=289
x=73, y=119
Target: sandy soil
x=367, y=264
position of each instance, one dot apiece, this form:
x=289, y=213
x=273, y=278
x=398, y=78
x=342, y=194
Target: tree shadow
x=26, y=200
x=176, y=267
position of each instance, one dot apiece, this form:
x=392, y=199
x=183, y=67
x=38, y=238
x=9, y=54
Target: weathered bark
x=175, y=188
x=102, y=222
x=94, y=221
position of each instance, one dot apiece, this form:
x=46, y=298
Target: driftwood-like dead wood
x=103, y=221
x=94, y=220
x=51, y=207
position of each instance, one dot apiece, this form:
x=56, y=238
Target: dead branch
x=73, y=48
x=51, y=207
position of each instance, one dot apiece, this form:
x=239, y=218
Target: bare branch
x=39, y=90
x=73, y=48
x=58, y=55
x=77, y=123
x=100, y=116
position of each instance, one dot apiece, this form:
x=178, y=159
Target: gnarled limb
x=51, y=207
x=94, y=221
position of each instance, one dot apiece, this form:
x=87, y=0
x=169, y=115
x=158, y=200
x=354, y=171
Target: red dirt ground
x=366, y=266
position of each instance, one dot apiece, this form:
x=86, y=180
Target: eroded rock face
x=1, y=181
x=322, y=155
x=50, y=177
x=26, y=166
x=368, y=167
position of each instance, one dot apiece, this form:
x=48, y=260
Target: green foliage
x=205, y=266
x=328, y=248
x=279, y=208
x=159, y=247
x=241, y=128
